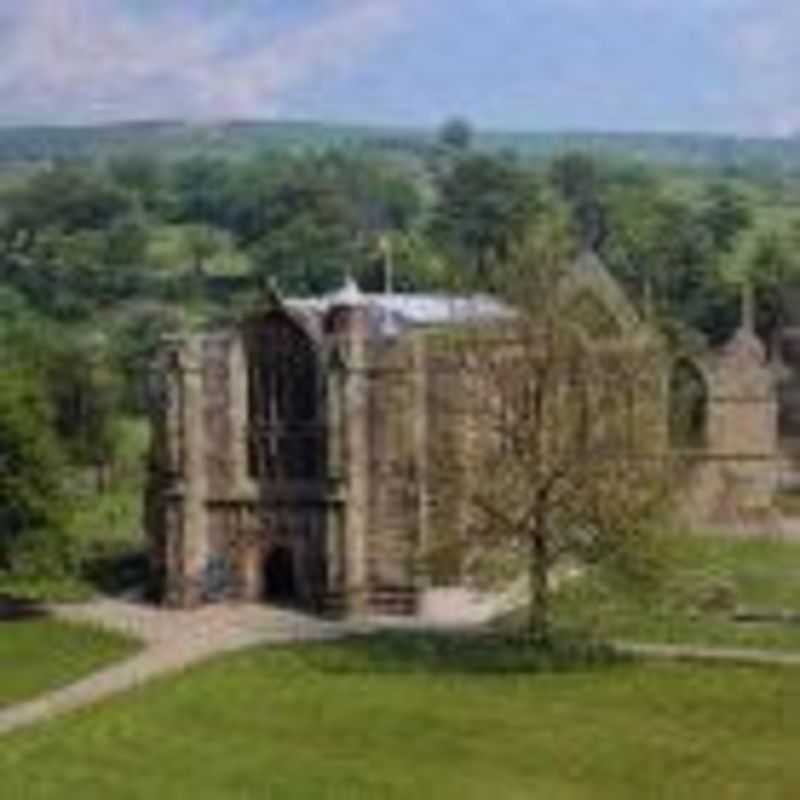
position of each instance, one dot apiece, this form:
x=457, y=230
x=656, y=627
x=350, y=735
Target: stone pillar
x=335, y=566
x=170, y=471
x=193, y=539
x=743, y=427
x=252, y=565
x=243, y=484
x=420, y=425
x=356, y=413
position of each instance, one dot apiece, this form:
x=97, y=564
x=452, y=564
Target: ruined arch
x=285, y=401
x=689, y=403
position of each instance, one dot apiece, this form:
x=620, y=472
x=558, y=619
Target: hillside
x=241, y=138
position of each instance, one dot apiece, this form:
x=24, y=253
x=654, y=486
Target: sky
x=728, y=66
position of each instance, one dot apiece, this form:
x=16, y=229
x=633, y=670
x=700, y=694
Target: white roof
x=391, y=313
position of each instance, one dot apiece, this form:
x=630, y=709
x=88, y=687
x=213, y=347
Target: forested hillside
x=173, y=139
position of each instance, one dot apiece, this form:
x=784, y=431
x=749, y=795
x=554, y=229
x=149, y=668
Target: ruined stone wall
x=419, y=425
x=177, y=486
x=394, y=412
x=220, y=469
x=735, y=478
x=365, y=535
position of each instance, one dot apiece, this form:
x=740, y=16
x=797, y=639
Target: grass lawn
x=362, y=720
x=41, y=654
x=711, y=580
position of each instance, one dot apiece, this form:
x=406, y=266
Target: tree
x=663, y=253
x=582, y=184
x=310, y=233
x=767, y=260
x=560, y=456
x=202, y=243
x=84, y=387
x=726, y=214
x=199, y=184
x=485, y=204
x=144, y=176
x=306, y=255
x=456, y=134
x=32, y=499
x=66, y=197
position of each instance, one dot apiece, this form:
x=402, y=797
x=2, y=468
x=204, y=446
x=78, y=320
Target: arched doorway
x=279, y=579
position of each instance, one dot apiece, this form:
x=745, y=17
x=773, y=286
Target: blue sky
x=662, y=65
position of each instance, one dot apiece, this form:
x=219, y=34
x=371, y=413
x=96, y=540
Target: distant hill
x=171, y=139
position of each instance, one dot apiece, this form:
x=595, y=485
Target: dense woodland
x=110, y=238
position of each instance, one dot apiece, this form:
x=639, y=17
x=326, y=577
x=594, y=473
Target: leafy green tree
x=199, y=184
x=310, y=230
x=202, y=243
x=582, y=184
x=663, y=252
x=306, y=255
x=249, y=193
x=135, y=334
x=66, y=197
x=126, y=241
x=456, y=134
x=551, y=476
x=485, y=204
x=33, y=504
x=85, y=389
x=767, y=260
x=726, y=213
x=144, y=176
x=416, y=265
x=71, y=241
x=380, y=196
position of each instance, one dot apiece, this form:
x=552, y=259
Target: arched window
x=286, y=419
x=688, y=412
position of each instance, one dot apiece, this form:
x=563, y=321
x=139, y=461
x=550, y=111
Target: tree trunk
x=539, y=620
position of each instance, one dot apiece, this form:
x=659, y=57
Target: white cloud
x=93, y=59
x=763, y=42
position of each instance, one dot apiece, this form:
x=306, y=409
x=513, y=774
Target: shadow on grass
x=17, y=610
x=462, y=653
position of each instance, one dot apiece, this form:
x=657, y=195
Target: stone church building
x=275, y=472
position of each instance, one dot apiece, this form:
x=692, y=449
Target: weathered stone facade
x=733, y=477
x=274, y=468
x=291, y=454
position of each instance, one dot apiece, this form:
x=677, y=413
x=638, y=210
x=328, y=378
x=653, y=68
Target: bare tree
x=557, y=446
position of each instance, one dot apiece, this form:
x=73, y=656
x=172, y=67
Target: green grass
x=37, y=655
x=711, y=579
x=356, y=720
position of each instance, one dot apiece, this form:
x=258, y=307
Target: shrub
x=33, y=506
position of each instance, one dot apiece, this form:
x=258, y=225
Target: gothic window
x=286, y=420
x=688, y=411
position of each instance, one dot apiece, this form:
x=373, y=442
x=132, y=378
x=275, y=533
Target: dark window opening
x=688, y=412
x=286, y=420
x=279, y=576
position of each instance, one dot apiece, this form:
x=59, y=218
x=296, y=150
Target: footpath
x=174, y=640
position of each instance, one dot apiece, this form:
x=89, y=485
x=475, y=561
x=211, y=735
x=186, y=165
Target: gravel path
x=172, y=641
x=729, y=655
